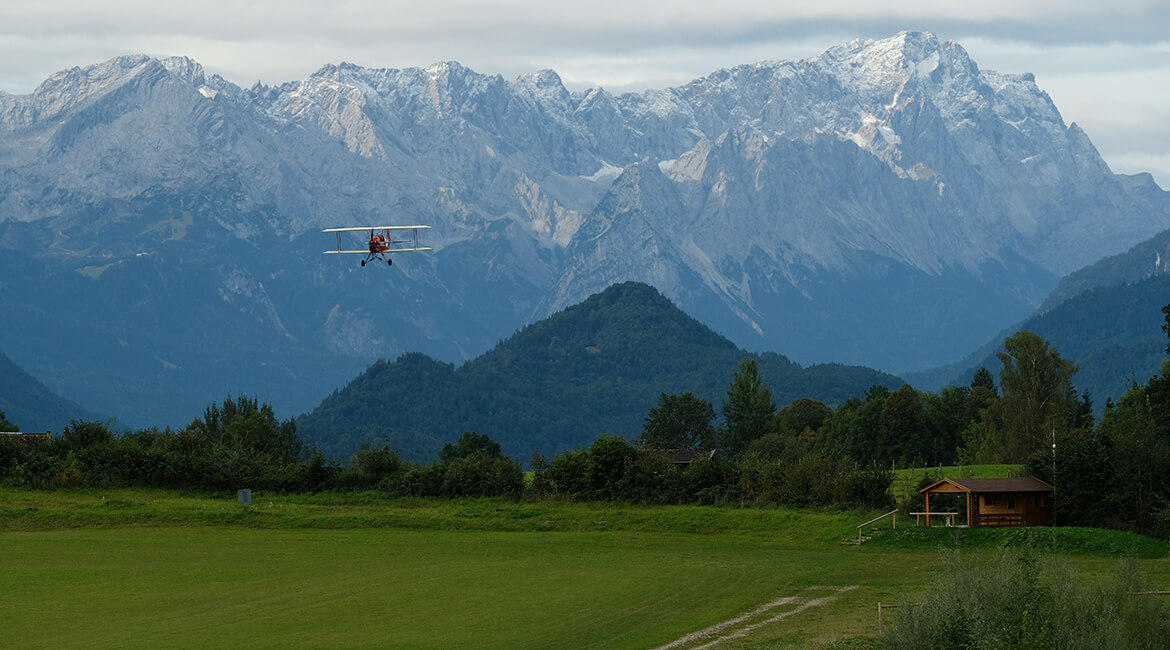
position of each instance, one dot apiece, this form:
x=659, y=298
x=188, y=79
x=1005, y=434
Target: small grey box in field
x=245, y=496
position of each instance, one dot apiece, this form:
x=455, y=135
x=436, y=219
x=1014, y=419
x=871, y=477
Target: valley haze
x=886, y=203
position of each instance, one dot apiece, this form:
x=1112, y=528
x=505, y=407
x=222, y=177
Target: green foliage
x=5, y=425
x=946, y=417
x=244, y=445
x=711, y=481
x=679, y=421
x=567, y=474
x=609, y=467
x=470, y=444
x=802, y=415
x=748, y=408
x=1015, y=602
x=870, y=488
x=1166, y=324
x=539, y=485
x=903, y=434
x=1062, y=540
x=777, y=446
x=249, y=427
x=479, y=475
x=983, y=379
x=82, y=435
x=372, y=466
x=855, y=426
x=1037, y=394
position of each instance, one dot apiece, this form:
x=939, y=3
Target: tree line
x=1107, y=473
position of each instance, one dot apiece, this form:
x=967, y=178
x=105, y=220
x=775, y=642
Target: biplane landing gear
x=363, y=262
x=389, y=262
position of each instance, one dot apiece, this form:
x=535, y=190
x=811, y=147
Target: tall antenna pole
x=1054, y=482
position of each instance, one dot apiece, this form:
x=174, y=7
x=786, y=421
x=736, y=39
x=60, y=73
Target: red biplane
x=380, y=243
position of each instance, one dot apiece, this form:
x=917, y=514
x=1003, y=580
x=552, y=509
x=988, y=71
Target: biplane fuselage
x=381, y=242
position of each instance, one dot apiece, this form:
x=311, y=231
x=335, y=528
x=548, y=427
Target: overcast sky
x=1106, y=65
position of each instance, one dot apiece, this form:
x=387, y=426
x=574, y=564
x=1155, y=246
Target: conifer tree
x=748, y=408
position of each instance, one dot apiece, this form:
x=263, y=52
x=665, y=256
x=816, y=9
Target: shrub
x=870, y=488
x=481, y=475
x=1015, y=602
x=653, y=478
x=83, y=434
x=813, y=481
x=566, y=474
x=711, y=480
x=418, y=481
x=760, y=479
x=609, y=467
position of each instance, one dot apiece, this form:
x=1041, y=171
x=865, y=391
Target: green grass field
x=130, y=568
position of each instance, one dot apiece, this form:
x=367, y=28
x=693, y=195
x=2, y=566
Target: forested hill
x=1112, y=333
x=30, y=405
x=596, y=367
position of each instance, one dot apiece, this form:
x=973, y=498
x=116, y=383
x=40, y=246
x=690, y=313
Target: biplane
x=381, y=242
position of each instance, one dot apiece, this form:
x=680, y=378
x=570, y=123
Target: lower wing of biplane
x=381, y=242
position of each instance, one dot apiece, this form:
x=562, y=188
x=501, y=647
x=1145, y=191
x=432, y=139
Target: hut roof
x=1021, y=484
x=686, y=456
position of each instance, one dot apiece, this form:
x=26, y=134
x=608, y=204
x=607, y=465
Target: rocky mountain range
x=885, y=203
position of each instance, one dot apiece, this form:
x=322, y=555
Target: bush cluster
x=1015, y=602
x=255, y=451
x=614, y=469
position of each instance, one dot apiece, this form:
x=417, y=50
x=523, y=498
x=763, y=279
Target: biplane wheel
x=389, y=262
x=363, y=262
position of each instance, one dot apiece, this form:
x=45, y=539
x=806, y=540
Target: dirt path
x=742, y=625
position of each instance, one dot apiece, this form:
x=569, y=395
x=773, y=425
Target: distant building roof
x=1019, y=484
x=686, y=456
x=26, y=438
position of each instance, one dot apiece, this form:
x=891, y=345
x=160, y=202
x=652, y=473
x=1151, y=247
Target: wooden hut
x=1022, y=501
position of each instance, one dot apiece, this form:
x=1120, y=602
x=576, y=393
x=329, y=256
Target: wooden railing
x=893, y=513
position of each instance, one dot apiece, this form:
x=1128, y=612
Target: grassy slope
x=906, y=480
x=148, y=569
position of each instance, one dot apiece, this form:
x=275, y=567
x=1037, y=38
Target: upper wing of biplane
x=385, y=230
x=388, y=250
x=373, y=228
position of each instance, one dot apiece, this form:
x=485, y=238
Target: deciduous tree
x=470, y=444
x=1037, y=393
x=902, y=430
x=680, y=421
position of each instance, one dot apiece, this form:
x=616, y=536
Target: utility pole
x=1054, y=482
x=1054, y=464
